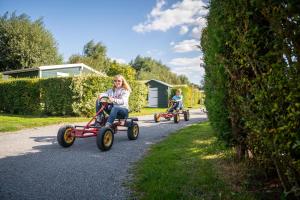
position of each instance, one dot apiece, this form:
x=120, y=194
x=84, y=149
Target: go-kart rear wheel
x=133, y=132
x=105, y=139
x=65, y=137
x=176, y=118
x=157, y=117
x=186, y=115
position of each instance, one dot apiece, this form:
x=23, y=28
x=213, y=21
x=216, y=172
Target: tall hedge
x=191, y=96
x=20, y=96
x=257, y=45
x=57, y=96
x=62, y=96
x=216, y=79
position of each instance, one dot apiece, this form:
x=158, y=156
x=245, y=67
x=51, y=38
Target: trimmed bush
x=57, y=96
x=20, y=96
x=251, y=53
x=62, y=96
x=191, y=96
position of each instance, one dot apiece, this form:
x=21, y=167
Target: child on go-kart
x=119, y=96
x=177, y=101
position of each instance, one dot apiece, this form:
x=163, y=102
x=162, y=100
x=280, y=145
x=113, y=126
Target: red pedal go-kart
x=104, y=135
x=175, y=114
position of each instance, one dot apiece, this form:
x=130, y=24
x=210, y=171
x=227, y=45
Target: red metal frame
x=91, y=131
x=168, y=115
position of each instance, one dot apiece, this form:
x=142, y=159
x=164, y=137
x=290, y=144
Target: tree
x=149, y=68
x=126, y=70
x=94, y=55
x=25, y=43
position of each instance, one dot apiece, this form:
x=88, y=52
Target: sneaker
x=96, y=124
x=107, y=125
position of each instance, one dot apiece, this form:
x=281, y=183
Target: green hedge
x=252, y=53
x=191, y=96
x=20, y=96
x=62, y=96
x=56, y=96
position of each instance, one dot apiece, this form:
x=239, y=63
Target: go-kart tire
x=156, y=117
x=105, y=139
x=186, y=115
x=176, y=118
x=133, y=132
x=64, y=137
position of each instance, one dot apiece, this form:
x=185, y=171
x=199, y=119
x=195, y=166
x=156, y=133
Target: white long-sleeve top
x=120, y=95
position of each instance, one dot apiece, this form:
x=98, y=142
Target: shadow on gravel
x=81, y=171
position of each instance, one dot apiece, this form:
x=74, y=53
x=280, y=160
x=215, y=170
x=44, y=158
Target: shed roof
x=161, y=82
x=46, y=67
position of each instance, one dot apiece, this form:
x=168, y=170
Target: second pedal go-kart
x=175, y=114
x=104, y=135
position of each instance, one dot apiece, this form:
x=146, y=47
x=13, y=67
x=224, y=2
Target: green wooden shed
x=159, y=93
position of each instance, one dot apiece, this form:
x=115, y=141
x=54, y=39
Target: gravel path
x=34, y=166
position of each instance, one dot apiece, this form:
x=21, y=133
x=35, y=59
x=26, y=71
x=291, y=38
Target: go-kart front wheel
x=176, y=118
x=65, y=137
x=105, y=139
x=186, y=115
x=157, y=117
x=133, y=132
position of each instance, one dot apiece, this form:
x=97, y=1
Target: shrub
x=20, y=96
x=62, y=96
x=191, y=95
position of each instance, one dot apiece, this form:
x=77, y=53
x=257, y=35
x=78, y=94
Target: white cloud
x=186, y=46
x=185, y=61
x=197, y=30
x=119, y=60
x=183, y=30
x=186, y=12
x=191, y=67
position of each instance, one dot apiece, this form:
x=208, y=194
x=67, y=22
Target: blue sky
x=167, y=30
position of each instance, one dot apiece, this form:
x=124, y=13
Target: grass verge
x=10, y=122
x=187, y=166
x=18, y=122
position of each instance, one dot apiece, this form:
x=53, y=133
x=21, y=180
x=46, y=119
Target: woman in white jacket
x=119, y=96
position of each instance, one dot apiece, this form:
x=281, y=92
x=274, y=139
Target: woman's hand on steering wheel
x=105, y=99
x=111, y=99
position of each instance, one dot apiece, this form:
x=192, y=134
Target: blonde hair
x=179, y=90
x=125, y=85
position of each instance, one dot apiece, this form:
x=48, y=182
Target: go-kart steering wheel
x=105, y=99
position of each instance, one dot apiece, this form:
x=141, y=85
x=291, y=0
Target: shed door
x=153, y=97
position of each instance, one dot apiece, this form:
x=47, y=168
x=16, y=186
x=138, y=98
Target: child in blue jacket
x=177, y=99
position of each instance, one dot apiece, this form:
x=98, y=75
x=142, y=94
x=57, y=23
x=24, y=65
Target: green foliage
x=257, y=45
x=138, y=97
x=216, y=81
x=126, y=70
x=191, y=95
x=62, y=96
x=20, y=96
x=186, y=166
x=147, y=68
x=25, y=44
x=56, y=96
x=85, y=90
x=94, y=55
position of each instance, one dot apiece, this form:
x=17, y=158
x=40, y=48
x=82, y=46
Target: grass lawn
x=189, y=164
x=17, y=122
